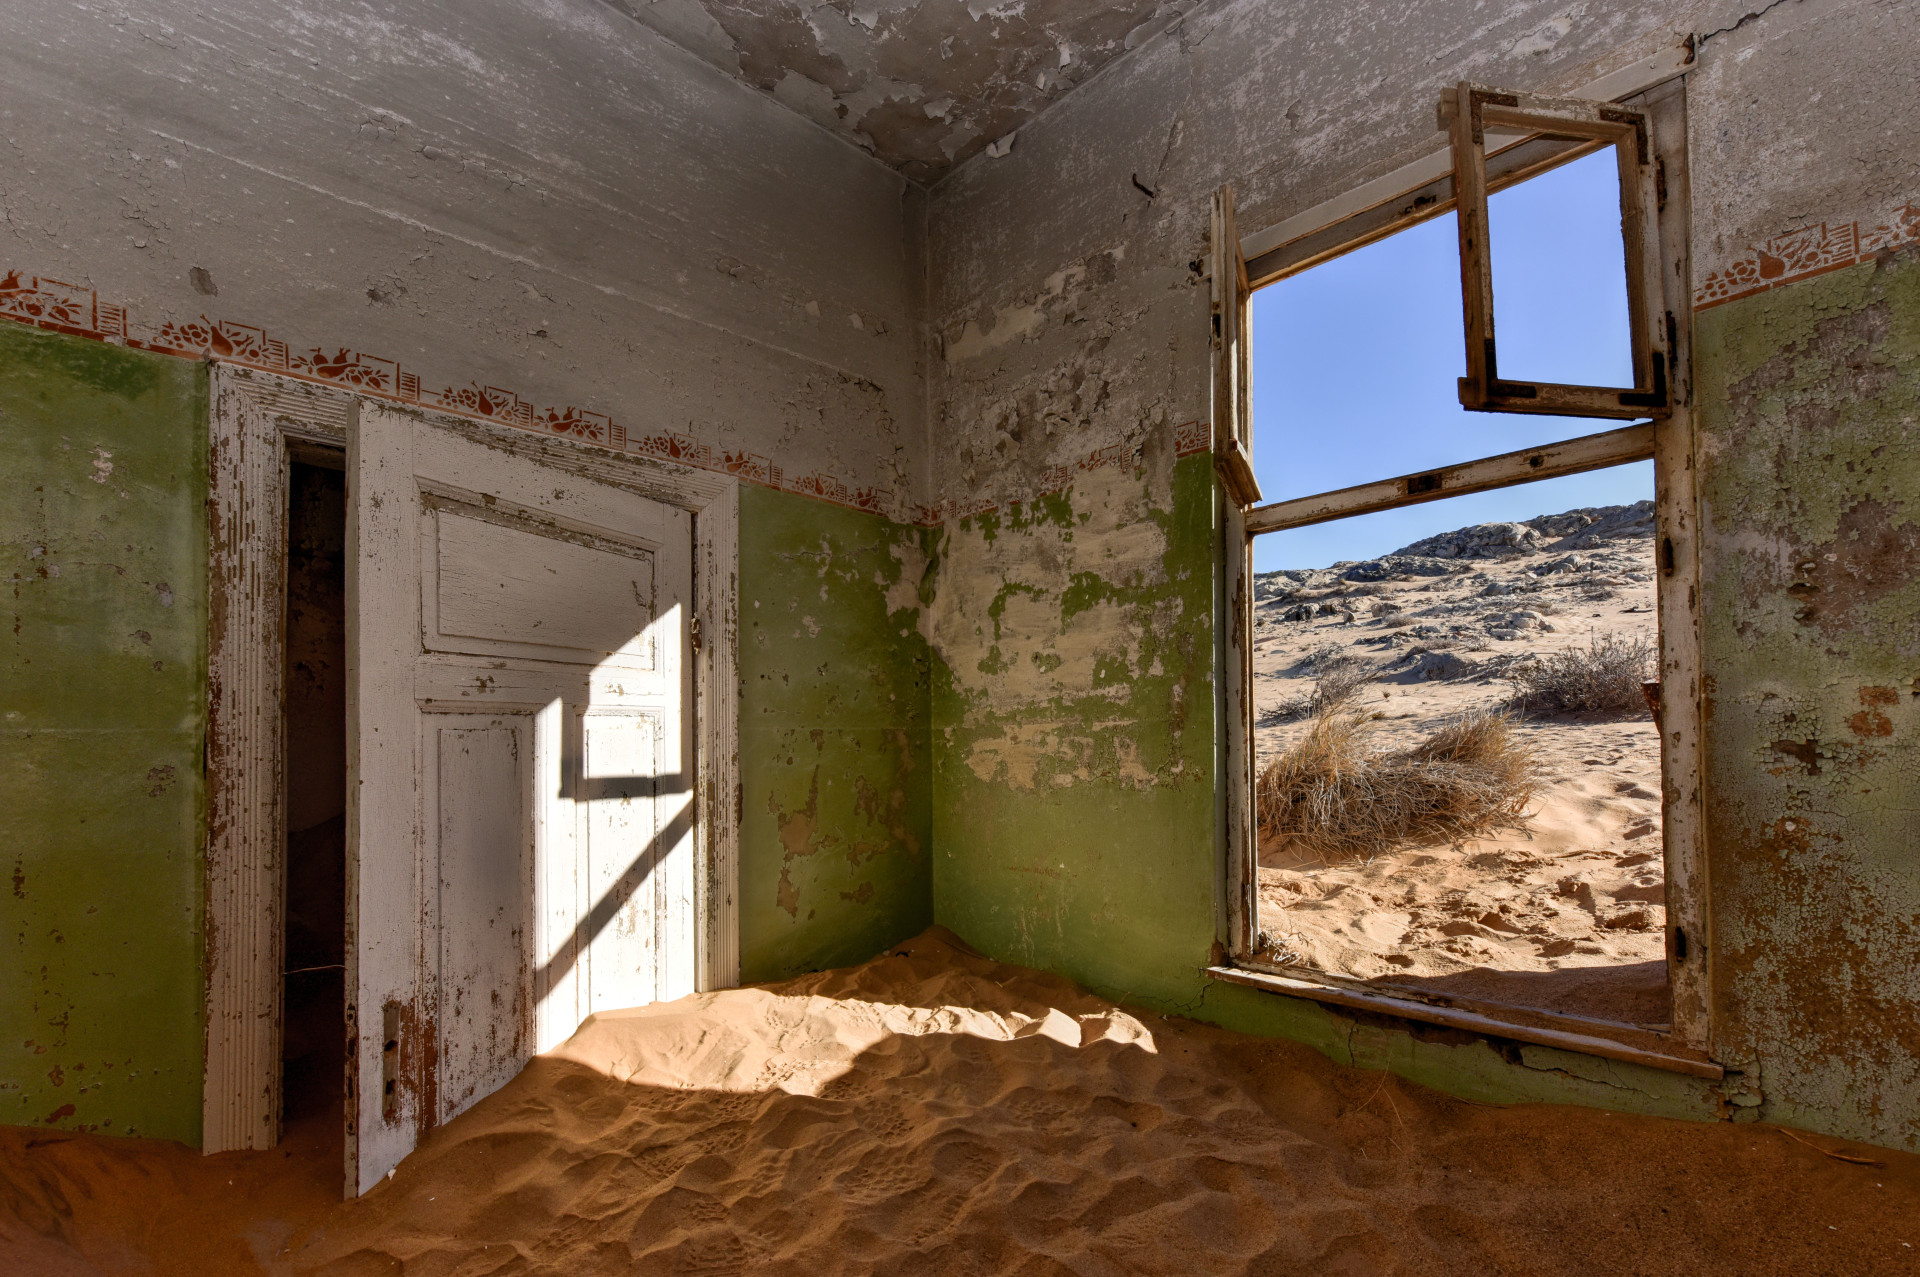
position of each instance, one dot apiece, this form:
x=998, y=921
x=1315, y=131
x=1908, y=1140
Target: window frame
x=1468, y=114
x=1686, y=1045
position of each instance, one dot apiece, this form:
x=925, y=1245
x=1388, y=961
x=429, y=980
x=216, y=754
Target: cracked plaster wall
x=547, y=199
x=1811, y=496
x=1809, y=481
x=530, y=197
x=1068, y=317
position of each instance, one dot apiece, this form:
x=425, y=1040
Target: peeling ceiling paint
x=922, y=84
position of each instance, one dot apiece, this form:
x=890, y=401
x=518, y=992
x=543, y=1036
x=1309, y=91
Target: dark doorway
x=313, y=989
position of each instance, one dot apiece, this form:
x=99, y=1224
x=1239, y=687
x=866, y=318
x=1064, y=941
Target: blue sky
x=1355, y=364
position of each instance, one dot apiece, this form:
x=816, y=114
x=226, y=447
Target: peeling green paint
x=835, y=839
x=103, y=484
x=1073, y=769
x=1810, y=492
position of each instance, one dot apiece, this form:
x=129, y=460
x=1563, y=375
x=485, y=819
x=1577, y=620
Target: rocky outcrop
x=1573, y=529
x=1443, y=553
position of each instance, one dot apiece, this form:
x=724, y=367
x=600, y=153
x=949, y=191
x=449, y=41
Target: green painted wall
x=1810, y=492
x=836, y=782
x=1073, y=727
x=1040, y=776
x=1075, y=818
x=103, y=464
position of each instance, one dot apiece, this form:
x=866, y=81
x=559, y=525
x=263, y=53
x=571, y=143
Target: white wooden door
x=521, y=849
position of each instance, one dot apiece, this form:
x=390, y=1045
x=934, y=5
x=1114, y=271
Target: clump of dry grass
x=1332, y=794
x=1602, y=677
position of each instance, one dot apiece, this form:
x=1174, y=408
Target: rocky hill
x=1442, y=554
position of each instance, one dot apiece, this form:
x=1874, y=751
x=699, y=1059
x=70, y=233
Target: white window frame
x=1665, y=291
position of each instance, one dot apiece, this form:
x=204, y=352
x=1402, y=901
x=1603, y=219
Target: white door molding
x=258, y=422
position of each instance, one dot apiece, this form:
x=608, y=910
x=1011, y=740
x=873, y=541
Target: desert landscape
x=1557, y=901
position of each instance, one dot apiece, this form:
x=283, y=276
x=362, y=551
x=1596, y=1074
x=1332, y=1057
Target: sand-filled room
x=1161, y=636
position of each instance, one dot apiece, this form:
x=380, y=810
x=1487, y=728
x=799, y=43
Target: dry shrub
x=1324, y=658
x=1602, y=677
x=1340, y=682
x=1332, y=794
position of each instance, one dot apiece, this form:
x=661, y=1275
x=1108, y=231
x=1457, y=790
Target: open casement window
x=1232, y=414
x=1498, y=140
x=1468, y=114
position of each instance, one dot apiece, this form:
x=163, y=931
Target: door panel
x=518, y=586
x=617, y=771
x=521, y=768
x=483, y=878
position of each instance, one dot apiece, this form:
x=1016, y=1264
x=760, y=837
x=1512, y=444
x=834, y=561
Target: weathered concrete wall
x=103, y=484
x=544, y=215
x=1806, y=212
x=541, y=213
x=836, y=775
x=1069, y=322
x=1811, y=495
x=548, y=215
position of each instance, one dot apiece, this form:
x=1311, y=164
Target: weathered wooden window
x=1468, y=113
x=1232, y=419
x=1499, y=140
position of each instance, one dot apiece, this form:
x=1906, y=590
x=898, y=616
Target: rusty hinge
x=693, y=632
x=390, y=1062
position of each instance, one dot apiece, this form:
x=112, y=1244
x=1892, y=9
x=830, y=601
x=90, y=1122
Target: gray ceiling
x=923, y=84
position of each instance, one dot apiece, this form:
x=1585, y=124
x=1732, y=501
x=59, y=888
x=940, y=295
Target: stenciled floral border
x=79, y=310
x=1802, y=254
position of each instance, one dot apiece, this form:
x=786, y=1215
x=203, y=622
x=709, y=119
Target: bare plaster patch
x=1028, y=615
x=922, y=84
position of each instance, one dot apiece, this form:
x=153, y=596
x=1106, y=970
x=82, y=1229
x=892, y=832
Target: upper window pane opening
x=1356, y=361
x=1560, y=276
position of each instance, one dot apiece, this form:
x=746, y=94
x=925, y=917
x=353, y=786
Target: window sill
x=1568, y=1033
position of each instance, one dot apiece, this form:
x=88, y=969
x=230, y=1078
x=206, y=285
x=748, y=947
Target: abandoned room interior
x=1151, y=636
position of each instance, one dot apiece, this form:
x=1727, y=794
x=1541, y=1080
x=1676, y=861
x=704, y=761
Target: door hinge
x=693, y=632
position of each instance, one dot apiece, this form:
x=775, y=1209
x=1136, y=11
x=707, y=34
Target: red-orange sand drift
x=934, y=1112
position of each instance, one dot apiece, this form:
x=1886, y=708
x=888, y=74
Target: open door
x=520, y=819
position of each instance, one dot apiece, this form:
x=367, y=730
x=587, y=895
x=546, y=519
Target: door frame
x=260, y=423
